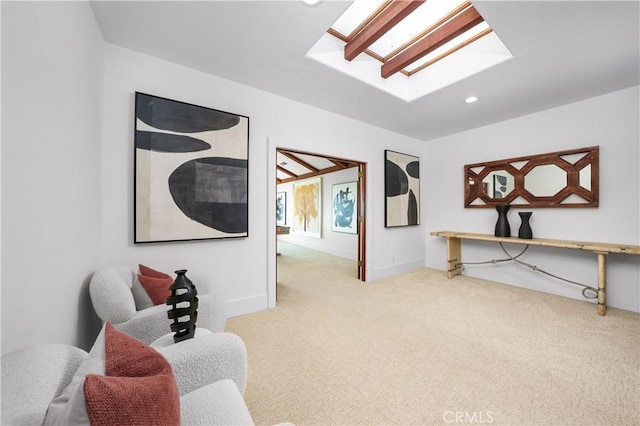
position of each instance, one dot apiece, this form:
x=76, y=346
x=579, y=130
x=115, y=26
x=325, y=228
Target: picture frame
x=345, y=207
x=307, y=207
x=191, y=172
x=281, y=208
x=401, y=189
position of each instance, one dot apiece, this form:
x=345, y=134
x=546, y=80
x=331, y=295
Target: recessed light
x=312, y=2
x=471, y=99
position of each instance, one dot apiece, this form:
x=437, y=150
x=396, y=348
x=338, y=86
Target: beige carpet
x=420, y=349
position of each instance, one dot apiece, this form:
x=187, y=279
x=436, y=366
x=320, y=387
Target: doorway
x=293, y=165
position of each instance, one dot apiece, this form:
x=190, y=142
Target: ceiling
x=295, y=165
x=564, y=51
x=410, y=48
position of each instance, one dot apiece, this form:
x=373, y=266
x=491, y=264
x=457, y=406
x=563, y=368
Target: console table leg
x=602, y=283
x=454, y=257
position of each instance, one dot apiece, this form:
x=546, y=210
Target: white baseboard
x=246, y=305
x=396, y=268
x=350, y=253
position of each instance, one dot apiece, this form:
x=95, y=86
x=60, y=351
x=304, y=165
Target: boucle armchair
x=210, y=373
x=118, y=297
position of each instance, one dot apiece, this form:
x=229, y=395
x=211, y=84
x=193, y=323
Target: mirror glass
x=545, y=181
x=556, y=179
x=498, y=184
x=585, y=178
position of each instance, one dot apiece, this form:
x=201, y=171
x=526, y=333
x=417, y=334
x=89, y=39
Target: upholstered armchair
x=118, y=297
x=210, y=373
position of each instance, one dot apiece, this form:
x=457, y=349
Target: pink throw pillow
x=156, y=284
x=148, y=272
x=138, y=388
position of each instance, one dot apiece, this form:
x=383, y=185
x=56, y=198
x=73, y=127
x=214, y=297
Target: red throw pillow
x=156, y=284
x=148, y=272
x=138, y=386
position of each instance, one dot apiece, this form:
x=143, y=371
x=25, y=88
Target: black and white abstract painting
x=401, y=189
x=345, y=208
x=191, y=171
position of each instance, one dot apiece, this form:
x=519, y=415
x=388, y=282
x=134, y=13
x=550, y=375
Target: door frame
x=271, y=220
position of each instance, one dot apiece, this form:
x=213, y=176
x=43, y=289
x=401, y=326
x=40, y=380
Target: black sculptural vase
x=184, y=303
x=525, y=230
x=502, y=225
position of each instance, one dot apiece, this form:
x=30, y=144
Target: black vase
x=183, y=292
x=502, y=225
x=525, y=228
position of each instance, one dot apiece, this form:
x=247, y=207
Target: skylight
x=410, y=48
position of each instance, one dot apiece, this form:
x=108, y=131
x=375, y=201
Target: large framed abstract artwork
x=307, y=207
x=401, y=189
x=191, y=172
x=281, y=208
x=345, y=208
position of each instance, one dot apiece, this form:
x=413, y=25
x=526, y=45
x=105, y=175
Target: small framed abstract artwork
x=191, y=168
x=281, y=208
x=401, y=189
x=307, y=207
x=345, y=208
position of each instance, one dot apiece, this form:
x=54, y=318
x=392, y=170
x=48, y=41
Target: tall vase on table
x=525, y=227
x=502, y=225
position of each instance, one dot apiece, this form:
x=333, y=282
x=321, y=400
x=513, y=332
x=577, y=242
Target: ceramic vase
x=184, y=303
x=525, y=228
x=502, y=225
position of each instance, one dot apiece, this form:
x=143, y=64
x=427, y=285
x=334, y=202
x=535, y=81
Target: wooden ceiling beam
x=378, y=26
x=303, y=163
x=338, y=165
x=283, y=170
x=451, y=51
x=313, y=174
x=447, y=32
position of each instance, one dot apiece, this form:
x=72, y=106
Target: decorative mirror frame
x=474, y=174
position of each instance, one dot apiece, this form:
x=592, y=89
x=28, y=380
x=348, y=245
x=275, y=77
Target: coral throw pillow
x=138, y=387
x=156, y=284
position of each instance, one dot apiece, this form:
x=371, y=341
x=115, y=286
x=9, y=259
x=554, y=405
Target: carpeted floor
x=420, y=349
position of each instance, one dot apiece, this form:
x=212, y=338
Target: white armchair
x=210, y=373
x=113, y=293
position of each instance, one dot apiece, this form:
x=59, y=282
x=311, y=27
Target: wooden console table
x=281, y=230
x=454, y=254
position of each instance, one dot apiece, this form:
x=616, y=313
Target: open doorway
x=298, y=166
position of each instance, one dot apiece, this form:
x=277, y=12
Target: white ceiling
x=565, y=51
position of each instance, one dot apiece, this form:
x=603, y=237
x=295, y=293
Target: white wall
x=67, y=175
x=242, y=270
x=336, y=243
x=51, y=214
x=610, y=121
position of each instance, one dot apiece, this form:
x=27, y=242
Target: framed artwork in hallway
x=345, y=208
x=281, y=208
x=307, y=207
x=191, y=167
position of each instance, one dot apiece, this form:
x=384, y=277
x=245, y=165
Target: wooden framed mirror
x=556, y=179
